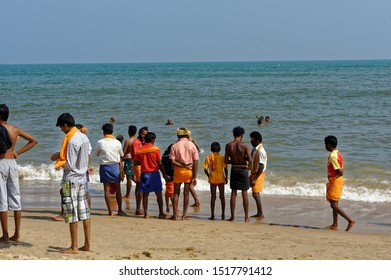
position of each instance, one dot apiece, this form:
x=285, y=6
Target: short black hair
x=132, y=130
x=238, y=131
x=143, y=128
x=120, y=138
x=107, y=128
x=67, y=119
x=332, y=140
x=149, y=137
x=256, y=135
x=4, y=112
x=215, y=147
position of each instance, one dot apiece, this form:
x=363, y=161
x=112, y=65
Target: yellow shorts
x=136, y=172
x=259, y=183
x=182, y=175
x=334, y=188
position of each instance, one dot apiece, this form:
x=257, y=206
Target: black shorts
x=239, y=179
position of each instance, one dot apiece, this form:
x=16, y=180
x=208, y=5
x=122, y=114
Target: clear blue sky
x=88, y=31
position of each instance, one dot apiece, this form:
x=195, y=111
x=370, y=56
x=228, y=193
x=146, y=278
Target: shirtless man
x=127, y=159
x=237, y=153
x=9, y=179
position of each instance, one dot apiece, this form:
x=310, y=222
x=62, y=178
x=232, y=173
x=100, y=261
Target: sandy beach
x=292, y=230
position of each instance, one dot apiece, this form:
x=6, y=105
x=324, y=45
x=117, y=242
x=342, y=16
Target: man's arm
x=254, y=178
x=248, y=157
x=29, y=138
x=227, y=159
x=195, y=170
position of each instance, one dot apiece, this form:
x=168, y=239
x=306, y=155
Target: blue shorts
x=109, y=173
x=150, y=182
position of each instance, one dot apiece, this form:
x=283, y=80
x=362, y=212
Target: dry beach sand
x=292, y=229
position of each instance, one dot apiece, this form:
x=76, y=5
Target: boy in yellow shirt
x=217, y=171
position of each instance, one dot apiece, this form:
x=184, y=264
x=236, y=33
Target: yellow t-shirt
x=215, y=164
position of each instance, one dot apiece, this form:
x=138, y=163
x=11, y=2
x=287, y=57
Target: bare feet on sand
x=258, y=216
x=85, y=248
x=69, y=251
x=350, y=225
x=139, y=212
x=15, y=238
x=195, y=205
x=332, y=227
x=4, y=239
x=121, y=213
x=58, y=218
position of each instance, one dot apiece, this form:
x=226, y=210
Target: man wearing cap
x=184, y=157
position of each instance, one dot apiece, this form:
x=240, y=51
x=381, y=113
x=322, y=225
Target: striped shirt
x=76, y=167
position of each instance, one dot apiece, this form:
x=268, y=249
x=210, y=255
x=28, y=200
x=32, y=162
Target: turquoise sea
x=305, y=100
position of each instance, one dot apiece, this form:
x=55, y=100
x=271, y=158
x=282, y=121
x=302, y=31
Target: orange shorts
x=259, y=183
x=182, y=175
x=136, y=172
x=169, y=189
x=334, y=188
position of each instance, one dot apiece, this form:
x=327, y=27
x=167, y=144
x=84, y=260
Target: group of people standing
x=139, y=160
x=143, y=164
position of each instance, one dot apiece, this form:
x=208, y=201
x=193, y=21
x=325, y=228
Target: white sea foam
x=354, y=190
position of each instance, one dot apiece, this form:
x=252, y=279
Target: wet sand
x=292, y=229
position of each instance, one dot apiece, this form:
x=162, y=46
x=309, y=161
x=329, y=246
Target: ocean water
x=305, y=100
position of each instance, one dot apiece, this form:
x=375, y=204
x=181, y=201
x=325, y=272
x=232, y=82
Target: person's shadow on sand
x=10, y=244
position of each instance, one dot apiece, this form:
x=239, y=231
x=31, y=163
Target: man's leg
x=73, y=230
x=195, y=197
x=186, y=193
x=233, y=205
x=257, y=198
x=338, y=210
x=87, y=236
x=212, y=201
x=118, y=197
x=139, y=197
x=128, y=186
x=145, y=203
x=106, y=187
x=4, y=226
x=222, y=200
x=60, y=218
x=245, y=205
x=177, y=192
x=17, y=219
x=159, y=199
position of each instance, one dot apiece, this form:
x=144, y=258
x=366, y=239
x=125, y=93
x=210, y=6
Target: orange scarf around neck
x=109, y=136
x=62, y=160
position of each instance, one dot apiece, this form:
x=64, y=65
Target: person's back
x=215, y=164
x=237, y=152
x=77, y=158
